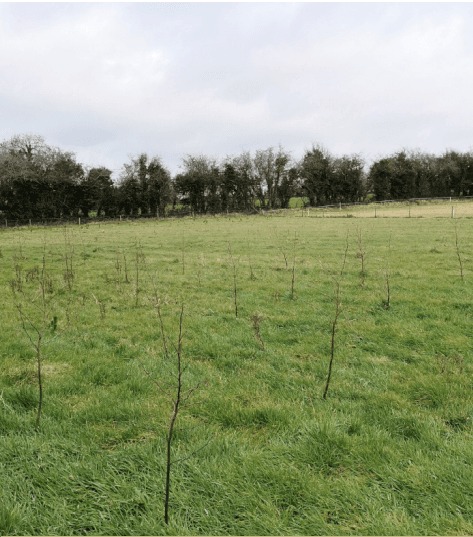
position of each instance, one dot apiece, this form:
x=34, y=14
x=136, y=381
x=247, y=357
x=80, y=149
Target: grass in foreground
x=388, y=452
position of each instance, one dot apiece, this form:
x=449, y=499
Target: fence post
x=30, y=221
x=79, y=220
x=340, y=205
x=453, y=212
x=6, y=223
x=120, y=218
x=375, y=212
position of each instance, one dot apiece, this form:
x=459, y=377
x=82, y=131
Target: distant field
x=389, y=452
x=421, y=209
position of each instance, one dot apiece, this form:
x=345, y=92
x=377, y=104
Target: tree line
x=41, y=181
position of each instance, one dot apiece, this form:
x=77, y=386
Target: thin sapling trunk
x=334, y=321
x=337, y=279
x=387, y=276
x=293, y=266
x=178, y=398
x=362, y=253
x=457, y=249
x=234, y=280
x=37, y=311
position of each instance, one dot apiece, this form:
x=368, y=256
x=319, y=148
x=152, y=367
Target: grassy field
x=388, y=452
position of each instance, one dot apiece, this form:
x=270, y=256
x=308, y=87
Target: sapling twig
x=18, y=256
x=68, y=258
x=197, y=267
x=387, y=275
x=125, y=267
x=284, y=254
x=293, y=266
x=118, y=268
x=155, y=300
x=84, y=255
x=457, y=248
x=252, y=276
x=139, y=256
x=36, y=309
x=362, y=254
x=256, y=321
x=338, y=310
x=101, y=305
x=234, y=280
x=178, y=398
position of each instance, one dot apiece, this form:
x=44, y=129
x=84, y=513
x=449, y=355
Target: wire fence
x=8, y=223
x=383, y=202
x=188, y=212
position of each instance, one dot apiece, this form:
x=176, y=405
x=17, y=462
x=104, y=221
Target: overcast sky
x=113, y=79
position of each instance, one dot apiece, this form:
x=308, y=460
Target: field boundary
x=80, y=220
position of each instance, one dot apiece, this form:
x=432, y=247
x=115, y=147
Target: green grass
x=388, y=453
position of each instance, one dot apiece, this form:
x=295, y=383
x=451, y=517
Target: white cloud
x=114, y=79
x=91, y=64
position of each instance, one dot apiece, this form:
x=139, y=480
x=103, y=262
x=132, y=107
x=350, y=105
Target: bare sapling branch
x=84, y=253
x=178, y=397
x=386, y=273
x=156, y=301
x=457, y=249
x=68, y=256
x=139, y=257
x=125, y=267
x=293, y=266
x=18, y=255
x=234, y=280
x=252, y=276
x=101, y=303
x=361, y=255
x=197, y=270
x=37, y=299
x=256, y=320
x=118, y=268
x=284, y=254
x=345, y=254
x=336, y=298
